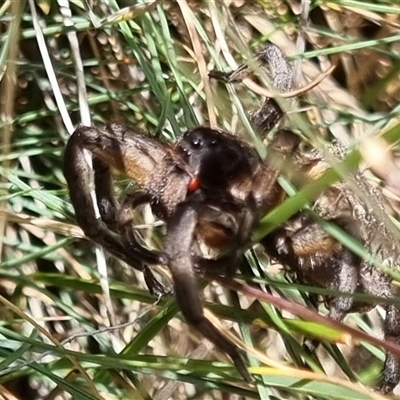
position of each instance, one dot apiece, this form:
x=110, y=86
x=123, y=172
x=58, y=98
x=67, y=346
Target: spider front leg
x=126, y=228
x=79, y=178
x=178, y=245
x=130, y=152
x=119, y=219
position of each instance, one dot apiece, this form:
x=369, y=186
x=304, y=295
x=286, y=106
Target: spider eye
x=197, y=143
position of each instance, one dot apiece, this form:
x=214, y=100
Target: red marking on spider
x=193, y=185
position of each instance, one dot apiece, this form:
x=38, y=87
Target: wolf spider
x=212, y=188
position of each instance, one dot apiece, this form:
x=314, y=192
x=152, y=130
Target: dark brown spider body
x=210, y=186
x=213, y=188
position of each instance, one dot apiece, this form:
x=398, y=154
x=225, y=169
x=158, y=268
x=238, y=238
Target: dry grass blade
x=197, y=48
